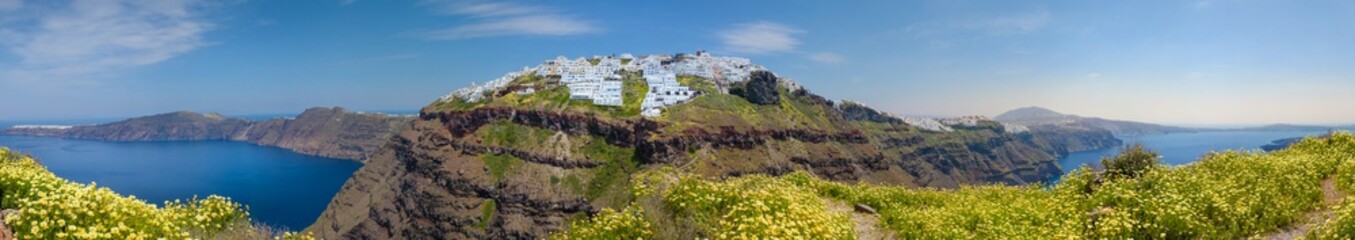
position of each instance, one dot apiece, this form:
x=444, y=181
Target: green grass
x=698, y=84
x=499, y=164
x=504, y=133
x=793, y=112
x=456, y=104
x=633, y=94
x=528, y=79
x=1225, y=195
x=487, y=210
x=609, y=179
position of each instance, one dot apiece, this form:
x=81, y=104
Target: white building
x=664, y=90
x=608, y=93
x=601, y=84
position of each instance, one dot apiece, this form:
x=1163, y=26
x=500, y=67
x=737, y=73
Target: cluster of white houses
x=598, y=79
x=476, y=91
x=944, y=124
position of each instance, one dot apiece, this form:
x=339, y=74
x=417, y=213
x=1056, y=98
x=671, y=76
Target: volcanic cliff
x=521, y=164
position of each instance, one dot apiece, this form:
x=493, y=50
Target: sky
x=1173, y=62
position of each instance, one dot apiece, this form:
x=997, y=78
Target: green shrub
x=1132, y=161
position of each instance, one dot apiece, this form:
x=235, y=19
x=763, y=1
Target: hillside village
x=599, y=80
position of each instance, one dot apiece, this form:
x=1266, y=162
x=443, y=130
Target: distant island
x=1037, y=116
x=327, y=132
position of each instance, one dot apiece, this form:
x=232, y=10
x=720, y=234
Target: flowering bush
x=1224, y=195
x=50, y=207
x=1341, y=225
x=755, y=207
x=629, y=223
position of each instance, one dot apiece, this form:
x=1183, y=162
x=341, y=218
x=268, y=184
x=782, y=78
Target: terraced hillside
x=524, y=164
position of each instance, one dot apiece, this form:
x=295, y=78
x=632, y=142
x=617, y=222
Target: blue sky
x=1178, y=62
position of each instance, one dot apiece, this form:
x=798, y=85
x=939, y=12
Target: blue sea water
x=280, y=187
x=1182, y=148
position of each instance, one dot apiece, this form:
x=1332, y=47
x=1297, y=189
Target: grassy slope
x=607, y=185
x=1224, y=195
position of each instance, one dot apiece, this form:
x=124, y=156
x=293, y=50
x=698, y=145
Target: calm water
x=1180, y=148
x=280, y=187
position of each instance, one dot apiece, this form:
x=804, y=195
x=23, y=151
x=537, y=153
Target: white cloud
x=827, y=58
x=87, y=38
x=494, y=19
x=760, y=37
x=1010, y=24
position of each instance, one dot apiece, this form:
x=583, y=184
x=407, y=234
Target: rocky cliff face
x=1066, y=138
x=327, y=132
x=522, y=166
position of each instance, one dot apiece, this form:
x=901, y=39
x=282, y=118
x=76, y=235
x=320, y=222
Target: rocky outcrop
x=327, y=132
x=761, y=88
x=857, y=112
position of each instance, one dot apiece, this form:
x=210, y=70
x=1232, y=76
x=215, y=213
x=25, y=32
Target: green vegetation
x=608, y=181
x=487, y=210
x=530, y=79
x=1224, y=195
x=731, y=110
x=1342, y=223
x=50, y=207
x=504, y=133
x=629, y=223
x=698, y=84
x=632, y=94
x=456, y=104
x=1132, y=162
x=499, y=164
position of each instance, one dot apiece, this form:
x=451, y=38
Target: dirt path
x=1330, y=197
x=867, y=225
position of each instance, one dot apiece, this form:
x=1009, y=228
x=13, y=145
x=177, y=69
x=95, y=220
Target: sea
x=1182, y=148
x=281, y=188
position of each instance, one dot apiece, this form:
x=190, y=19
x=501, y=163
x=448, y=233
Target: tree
x=1132, y=161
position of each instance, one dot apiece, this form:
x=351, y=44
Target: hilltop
x=524, y=155
x=1037, y=116
x=327, y=132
